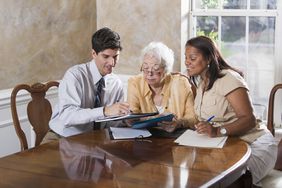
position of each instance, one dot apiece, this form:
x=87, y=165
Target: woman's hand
x=206, y=128
x=169, y=126
x=129, y=122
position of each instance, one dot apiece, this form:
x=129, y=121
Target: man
x=83, y=95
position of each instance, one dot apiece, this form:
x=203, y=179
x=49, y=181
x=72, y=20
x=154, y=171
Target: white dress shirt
x=75, y=112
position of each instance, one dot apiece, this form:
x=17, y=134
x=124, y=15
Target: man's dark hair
x=105, y=38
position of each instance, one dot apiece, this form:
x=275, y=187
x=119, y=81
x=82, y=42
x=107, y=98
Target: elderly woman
x=157, y=89
x=223, y=93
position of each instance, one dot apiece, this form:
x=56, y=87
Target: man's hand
x=121, y=108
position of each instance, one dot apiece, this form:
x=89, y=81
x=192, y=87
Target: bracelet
x=217, y=127
x=214, y=124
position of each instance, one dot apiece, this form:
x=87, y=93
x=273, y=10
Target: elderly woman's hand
x=170, y=126
x=129, y=122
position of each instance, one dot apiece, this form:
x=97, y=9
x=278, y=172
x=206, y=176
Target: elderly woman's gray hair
x=161, y=52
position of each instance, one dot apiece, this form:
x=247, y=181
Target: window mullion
x=220, y=4
x=247, y=47
x=219, y=24
x=219, y=31
x=228, y=12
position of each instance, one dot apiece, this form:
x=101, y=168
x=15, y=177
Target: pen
x=210, y=118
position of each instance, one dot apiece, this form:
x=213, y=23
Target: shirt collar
x=95, y=72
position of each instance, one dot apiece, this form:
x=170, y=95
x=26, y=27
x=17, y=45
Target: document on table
x=194, y=139
x=127, y=133
x=127, y=116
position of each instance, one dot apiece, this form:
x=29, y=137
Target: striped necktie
x=98, y=99
x=98, y=96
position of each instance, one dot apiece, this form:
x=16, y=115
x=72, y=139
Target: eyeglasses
x=155, y=70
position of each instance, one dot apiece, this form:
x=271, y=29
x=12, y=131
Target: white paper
x=127, y=133
x=192, y=138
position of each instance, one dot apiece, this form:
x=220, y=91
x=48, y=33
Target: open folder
x=152, y=122
x=127, y=116
x=128, y=133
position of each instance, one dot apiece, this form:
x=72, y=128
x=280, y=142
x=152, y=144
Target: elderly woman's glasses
x=155, y=70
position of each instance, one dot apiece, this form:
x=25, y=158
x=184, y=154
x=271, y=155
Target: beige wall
x=41, y=39
x=140, y=22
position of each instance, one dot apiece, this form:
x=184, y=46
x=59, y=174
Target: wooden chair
x=270, y=124
x=39, y=111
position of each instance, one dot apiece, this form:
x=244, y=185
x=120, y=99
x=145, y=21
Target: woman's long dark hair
x=210, y=52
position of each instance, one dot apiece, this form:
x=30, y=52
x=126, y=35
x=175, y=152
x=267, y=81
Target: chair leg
x=278, y=164
x=245, y=181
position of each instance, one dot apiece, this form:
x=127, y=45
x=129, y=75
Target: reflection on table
x=93, y=159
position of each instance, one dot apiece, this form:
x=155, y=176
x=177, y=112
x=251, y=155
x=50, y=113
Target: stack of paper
x=127, y=116
x=192, y=138
x=127, y=133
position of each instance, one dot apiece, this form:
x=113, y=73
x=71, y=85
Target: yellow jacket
x=177, y=97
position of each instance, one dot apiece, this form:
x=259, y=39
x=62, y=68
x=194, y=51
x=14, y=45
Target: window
x=245, y=31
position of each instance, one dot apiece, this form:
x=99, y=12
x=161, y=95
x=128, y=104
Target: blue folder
x=153, y=122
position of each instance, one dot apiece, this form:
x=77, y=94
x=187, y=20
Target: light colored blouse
x=177, y=97
x=214, y=102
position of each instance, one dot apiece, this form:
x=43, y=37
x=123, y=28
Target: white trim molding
x=9, y=142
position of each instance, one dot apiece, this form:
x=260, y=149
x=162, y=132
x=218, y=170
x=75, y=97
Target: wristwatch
x=222, y=131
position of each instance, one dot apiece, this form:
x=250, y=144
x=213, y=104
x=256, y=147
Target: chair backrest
x=39, y=111
x=270, y=124
x=270, y=116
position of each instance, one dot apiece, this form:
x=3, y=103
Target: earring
x=208, y=65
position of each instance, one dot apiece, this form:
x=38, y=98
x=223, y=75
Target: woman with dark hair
x=223, y=93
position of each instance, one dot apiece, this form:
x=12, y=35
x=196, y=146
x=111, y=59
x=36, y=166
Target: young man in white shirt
x=77, y=108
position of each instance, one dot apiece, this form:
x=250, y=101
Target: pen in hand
x=210, y=118
x=201, y=128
